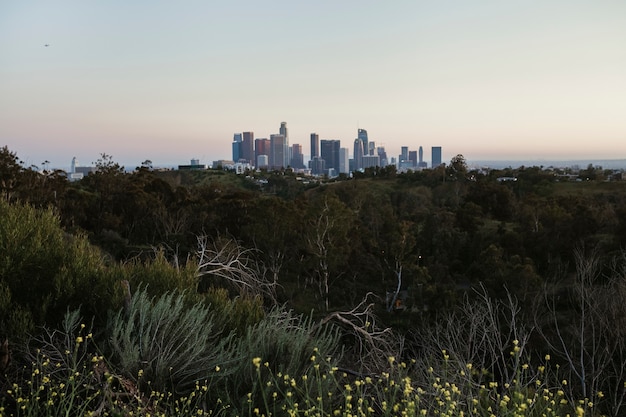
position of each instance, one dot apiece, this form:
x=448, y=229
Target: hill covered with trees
x=443, y=270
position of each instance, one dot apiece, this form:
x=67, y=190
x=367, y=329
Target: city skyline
x=169, y=82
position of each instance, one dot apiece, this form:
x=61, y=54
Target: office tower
x=297, y=158
x=318, y=165
x=382, y=156
x=261, y=147
x=357, y=154
x=74, y=165
x=237, y=146
x=362, y=135
x=315, y=145
x=344, y=161
x=329, y=151
x=404, y=154
x=413, y=158
x=278, y=152
x=370, y=161
x=372, y=147
x=436, y=156
x=286, y=151
x=420, y=162
x=247, y=147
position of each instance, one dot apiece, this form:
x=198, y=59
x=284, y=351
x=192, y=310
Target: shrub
x=44, y=270
x=162, y=341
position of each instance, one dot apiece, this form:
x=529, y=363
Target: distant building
x=357, y=155
x=278, y=152
x=223, y=164
x=262, y=161
x=78, y=172
x=404, y=154
x=286, y=152
x=297, y=158
x=261, y=147
x=420, y=162
x=344, y=161
x=362, y=136
x=315, y=145
x=318, y=165
x=195, y=164
x=370, y=161
x=237, y=146
x=329, y=150
x=382, y=156
x=436, y=156
x=247, y=147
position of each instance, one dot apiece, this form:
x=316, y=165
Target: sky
x=171, y=81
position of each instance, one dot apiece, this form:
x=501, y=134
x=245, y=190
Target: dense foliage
x=185, y=280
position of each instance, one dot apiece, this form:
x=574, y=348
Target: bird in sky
x=46, y=45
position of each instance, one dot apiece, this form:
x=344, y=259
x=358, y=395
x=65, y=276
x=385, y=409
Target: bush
x=43, y=271
x=162, y=341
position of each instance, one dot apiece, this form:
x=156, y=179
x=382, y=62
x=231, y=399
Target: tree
x=10, y=169
x=457, y=169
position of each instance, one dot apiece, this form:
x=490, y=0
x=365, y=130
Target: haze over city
x=170, y=81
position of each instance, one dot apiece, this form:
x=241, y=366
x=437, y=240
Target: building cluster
x=327, y=157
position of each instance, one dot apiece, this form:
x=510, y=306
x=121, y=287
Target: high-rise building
x=413, y=158
x=344, y=161
x=382, y=156
x=297, y=158
x=436, y=156
x=404, y=154
x=362, y=135
x=329, y=150
x=237, y=146
x=420, y=162
x=278, y=152
x=261, y=147
x=357, y=154
x=315, y=145
x=318, y=165
x=283, y=131
x=247, y=148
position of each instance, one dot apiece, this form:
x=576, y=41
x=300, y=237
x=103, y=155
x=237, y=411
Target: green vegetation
x=435, y=292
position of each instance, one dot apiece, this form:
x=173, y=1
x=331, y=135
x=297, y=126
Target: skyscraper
x=286, y=151
x=247, y=148
x=315, y=145
x=261, y=147
x=362, y=135
x=344, y=161
x=297, y=159
x=329, y=150
x=404, y=154
x=277, y=152
x=420, y=162
x=357, y=154
x=436, y=156
x=237, y=146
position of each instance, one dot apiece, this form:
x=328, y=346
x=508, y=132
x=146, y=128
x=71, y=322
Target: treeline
x=326, y=244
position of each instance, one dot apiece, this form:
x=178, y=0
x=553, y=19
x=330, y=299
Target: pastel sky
x=174, y=80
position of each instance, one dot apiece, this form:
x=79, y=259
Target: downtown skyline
x=170, y=82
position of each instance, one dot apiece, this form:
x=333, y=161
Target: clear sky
x=174, y=80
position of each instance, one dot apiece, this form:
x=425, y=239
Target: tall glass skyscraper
x=329, y=150
x=286, y=151
x=436, y=156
